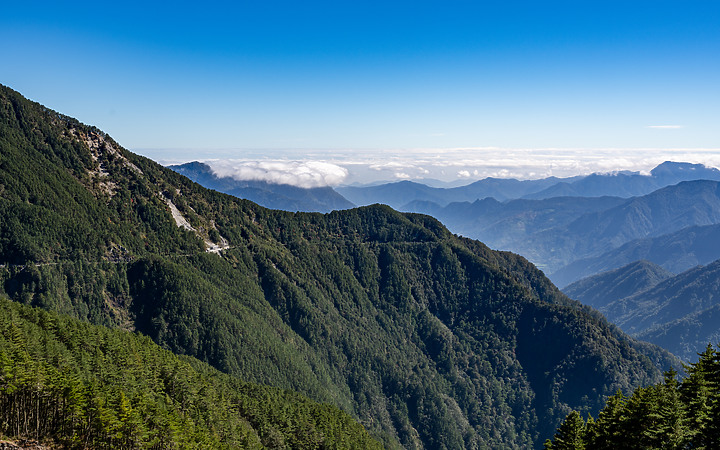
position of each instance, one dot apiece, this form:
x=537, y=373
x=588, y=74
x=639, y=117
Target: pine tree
x=570, y=435
x=607, y=432
x=668, y=422
x=699, y=392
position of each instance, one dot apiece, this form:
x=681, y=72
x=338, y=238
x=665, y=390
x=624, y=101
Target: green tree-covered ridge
x=88, y=386
x=430, y=340
x=669, y=415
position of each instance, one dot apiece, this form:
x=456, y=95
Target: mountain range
x=675, y=252
x=568, y=237
x=427, y=339
x=623, y=184
x=547, y=225
x=678, y=312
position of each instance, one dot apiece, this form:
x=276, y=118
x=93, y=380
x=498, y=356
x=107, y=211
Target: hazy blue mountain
x=402, y=193
x=601, y=289
x=621, y=184
x=630, y=184
x=557, y=232
x=687, y=336
x=501, y=224
x=661, y=212
x=675, y=252
x=679, y=313
x=270, y=195
x=392, y=194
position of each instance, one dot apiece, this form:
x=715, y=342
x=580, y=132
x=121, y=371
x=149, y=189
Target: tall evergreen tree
x=570, y=435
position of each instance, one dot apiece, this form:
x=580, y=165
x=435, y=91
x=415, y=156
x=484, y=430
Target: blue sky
x=335, y=80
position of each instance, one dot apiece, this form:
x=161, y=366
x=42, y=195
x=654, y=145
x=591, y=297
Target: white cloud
x=665, y=127
x=332, y=167
x=305, y=174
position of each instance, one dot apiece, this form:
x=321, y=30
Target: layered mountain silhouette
x=675, y=252
x=602, y=289
x=505, y=225
x=677, y=312
x=427, y=339
x=401, y=193
x=620, y=184
x=270, y=195
x=568, y=236
x=661, y=212
x=629, y=184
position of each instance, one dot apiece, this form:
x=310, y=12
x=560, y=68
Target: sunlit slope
x=81, y=385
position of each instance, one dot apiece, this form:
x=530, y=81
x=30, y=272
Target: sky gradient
x=287, y=80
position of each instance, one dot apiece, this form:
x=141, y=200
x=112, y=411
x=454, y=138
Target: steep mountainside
x=686, y=335
x=269, y=195
x=675, y=252
x=679, y=313
x=85, y=386
x=601, y=289
x=430, y=340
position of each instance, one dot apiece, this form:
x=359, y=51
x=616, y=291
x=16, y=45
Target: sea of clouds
x=305, y=174
x=316, y=168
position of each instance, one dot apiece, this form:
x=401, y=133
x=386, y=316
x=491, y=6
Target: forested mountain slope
x=77, y=385
x=430, y=340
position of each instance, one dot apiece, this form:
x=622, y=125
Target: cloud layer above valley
x=315, y=168
x=305, y=174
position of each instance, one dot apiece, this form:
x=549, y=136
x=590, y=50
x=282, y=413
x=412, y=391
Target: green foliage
x=668, y=415
x=428, y=339
x=570, y=435
x=87, y=386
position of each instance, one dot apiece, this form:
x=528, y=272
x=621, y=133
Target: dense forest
x=428, y=339
x=86, y=386
x=669, y=415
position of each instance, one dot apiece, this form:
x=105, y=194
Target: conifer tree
x=570, y=435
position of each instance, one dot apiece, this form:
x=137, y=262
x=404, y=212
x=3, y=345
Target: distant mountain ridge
x=620, y=184
x=678, y=312
x=562, y=235
x=275, y=196
x=676, y=252
x=602, y=289
x=630, y=184
x=401, y=193
x=502, y=224
x=664, y=211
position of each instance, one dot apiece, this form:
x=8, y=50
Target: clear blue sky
x=374, y=75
